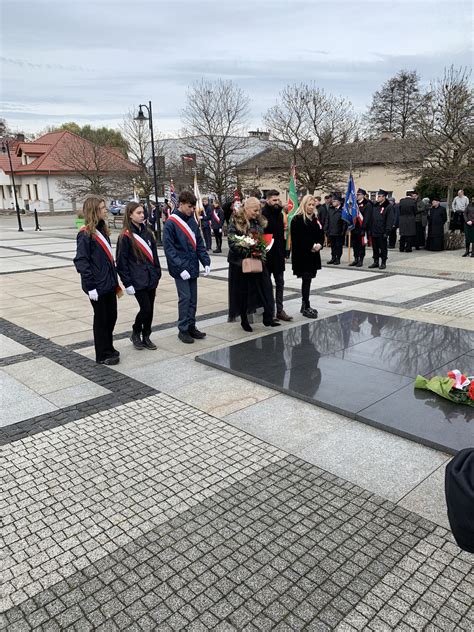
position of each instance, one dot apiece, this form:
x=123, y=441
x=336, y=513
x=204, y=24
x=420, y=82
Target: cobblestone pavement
x=154, y=515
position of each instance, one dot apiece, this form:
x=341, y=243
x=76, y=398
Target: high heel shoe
x=246, y=325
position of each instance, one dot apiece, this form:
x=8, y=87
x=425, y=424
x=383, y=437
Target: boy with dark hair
x=184, y=249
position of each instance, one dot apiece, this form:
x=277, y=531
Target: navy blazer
x=97, y=271
x=138, y=271
x=180, y=253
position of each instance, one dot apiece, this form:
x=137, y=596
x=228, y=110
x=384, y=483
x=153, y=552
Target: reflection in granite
x=363, y=365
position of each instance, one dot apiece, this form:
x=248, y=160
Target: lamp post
x=141, y=118
x=6, y=150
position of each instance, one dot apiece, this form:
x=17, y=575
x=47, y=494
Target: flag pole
x=349, y=240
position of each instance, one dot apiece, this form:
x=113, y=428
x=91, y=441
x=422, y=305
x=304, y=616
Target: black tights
x=305, y=289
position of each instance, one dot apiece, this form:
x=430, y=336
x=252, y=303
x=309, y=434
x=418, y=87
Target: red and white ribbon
x=143, y=245
x=181, y=224
x=460, y=380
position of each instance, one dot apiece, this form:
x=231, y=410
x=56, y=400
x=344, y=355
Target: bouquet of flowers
x=253, y=245
x=455, y=386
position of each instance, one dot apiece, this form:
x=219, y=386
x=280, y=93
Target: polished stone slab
x=363, y=365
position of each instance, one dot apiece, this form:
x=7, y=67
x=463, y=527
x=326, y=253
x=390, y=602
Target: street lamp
x=141, y=118
x=6, y=150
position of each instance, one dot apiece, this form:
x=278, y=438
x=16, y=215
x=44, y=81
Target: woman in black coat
x=437, y=218
x=95, y=263
x=139, y=269
x=307, y=239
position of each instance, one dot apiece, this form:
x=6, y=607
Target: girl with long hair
x=140, y=271
x=95, y=263
x=307, y=240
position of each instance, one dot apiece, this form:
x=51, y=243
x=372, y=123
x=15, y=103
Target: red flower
x=471, y=390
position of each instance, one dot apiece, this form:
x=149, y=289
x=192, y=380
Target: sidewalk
x=137, y=499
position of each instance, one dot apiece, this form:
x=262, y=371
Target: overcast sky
x=90, y=61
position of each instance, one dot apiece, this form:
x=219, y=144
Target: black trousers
x=206, y=233
x=105, y=317
x=406, y=243
x=359, y=248
x=218, y=236
x=380, y=248
x=146, y=301
x=420, y=235
x=392, y=238
x=306, y=279
x=279, y=278
x=336, y=246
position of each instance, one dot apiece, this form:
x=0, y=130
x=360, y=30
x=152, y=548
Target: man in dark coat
x=324, y=208
x=335, y=228
x=392, y=237
x=379, y=226
x=358, y=236
x=407, y=221
x=422, y=208
x=437, y=218
x=205, y=221
x=275, y=262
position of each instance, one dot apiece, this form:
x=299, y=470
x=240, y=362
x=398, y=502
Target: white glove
x=185, y=275
x=130, y=290
x=93, y=295
x=207, y=269
x=220, y=230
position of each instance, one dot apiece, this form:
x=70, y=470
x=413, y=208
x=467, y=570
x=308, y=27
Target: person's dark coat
x=322, y=211
x=334, y=225
x=135, y=270
x=97, y=271
x=276, y=227
x=180, y=253
x=459, y=489
x=206, y=217
x=304, y=234
x=382, y=219
x=217, y=218
x=437, y=218
x=365, y=209
x=407, y=221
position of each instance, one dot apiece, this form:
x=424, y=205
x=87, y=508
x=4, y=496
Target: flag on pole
x=350, y=210
x=199, y=205
x=292, y=205
x=173, y=198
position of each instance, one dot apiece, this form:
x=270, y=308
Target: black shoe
x=309, y=312
x=354, y=263
x=359, y=263
x=466, y=254
x=302, y=308
x=375, y=264
x=271, y=323
x=115, y=354
x=337, y=262
x=246, y=325
x=109, y=361
x=195, y=333
x=217, y=251
x=137, y=341
x=382, y=266
x=185, y=337
x=331, y=262
x=148, y=344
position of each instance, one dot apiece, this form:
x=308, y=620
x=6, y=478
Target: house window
x=28, y=191
x=35, y=187
x=18, y=190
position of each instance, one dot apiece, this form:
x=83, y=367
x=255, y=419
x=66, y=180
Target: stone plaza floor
x=163, y=494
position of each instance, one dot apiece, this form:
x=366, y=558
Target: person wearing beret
x=359, y=232
x=379, y=226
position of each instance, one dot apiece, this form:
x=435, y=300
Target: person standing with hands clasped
x=217, y=224
x=184, y=249
x=139, y=269
x=95, y=263
x=307, y=240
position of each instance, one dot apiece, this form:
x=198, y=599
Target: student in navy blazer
x=184, y=250
x=139, y=269
x=95, y=263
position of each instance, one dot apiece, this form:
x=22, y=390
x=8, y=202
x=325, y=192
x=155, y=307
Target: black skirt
x=249, y=291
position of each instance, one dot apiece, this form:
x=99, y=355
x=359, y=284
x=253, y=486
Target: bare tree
x=214, y=125
x=395, y=106
x=445, y=126
x=314, y=127
x=94, y=169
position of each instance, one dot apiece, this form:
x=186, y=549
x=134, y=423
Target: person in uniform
x=205, y=221
x=379, y=226
x=358, y=236
x=334, y=228
x=217, y=224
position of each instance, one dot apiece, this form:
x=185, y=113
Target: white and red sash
x=102, y=241
x=181, y=224
x=142, y=245
x=216, y=217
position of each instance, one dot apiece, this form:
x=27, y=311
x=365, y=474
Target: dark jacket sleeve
x=123, y=260
x=390, y=218
x=82, y=261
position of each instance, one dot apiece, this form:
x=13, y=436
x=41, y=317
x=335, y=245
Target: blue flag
x=350, y=209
